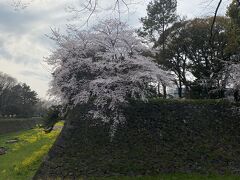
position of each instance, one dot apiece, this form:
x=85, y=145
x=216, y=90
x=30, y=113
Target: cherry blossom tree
x=232, y=69
x=105, y=66
x=233, y=75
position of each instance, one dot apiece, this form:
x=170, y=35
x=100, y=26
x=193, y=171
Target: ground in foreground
x=24, y=152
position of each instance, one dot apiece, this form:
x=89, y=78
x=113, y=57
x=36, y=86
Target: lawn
x=24, y=157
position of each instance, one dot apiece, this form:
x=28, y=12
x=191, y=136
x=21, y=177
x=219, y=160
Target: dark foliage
x=51, y=118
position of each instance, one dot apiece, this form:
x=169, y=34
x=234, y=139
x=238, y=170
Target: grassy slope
x=24, y=157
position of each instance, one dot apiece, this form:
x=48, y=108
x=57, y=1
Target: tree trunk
x=164, y=91
x=180, y=88
x=158, y=90
x=180, y=92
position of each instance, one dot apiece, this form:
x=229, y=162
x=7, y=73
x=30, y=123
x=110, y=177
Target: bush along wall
x=158, y=137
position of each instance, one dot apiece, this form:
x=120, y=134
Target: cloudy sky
x=23, y=41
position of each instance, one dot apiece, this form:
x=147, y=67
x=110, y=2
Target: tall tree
x=16, y=98
x=232, y=68
x=207, y=61
x=233, y=12
x=6, y=83
x=103, y=66
x=160, y=15
x=188, y=51
x=176, y=54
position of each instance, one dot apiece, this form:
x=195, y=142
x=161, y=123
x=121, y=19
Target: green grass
x=24, y=157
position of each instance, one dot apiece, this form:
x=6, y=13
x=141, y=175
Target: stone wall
x=14, y=125
x=158, y=137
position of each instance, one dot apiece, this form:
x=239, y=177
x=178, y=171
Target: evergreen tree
x=233, y=13
x=160, y=15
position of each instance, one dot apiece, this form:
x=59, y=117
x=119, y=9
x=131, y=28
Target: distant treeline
x=17, y=99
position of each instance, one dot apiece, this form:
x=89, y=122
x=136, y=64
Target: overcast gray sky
x=23, y=44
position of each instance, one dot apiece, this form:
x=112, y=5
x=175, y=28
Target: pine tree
x=160, y=15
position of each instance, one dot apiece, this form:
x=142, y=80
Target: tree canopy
x=104, y=66
x=16, y=98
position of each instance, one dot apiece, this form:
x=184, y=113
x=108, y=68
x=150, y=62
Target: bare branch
x=214, y=20
x=87, y=7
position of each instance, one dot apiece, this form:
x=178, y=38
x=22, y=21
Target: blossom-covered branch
x=104, y=65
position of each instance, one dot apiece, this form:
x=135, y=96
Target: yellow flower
x=35, y=156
